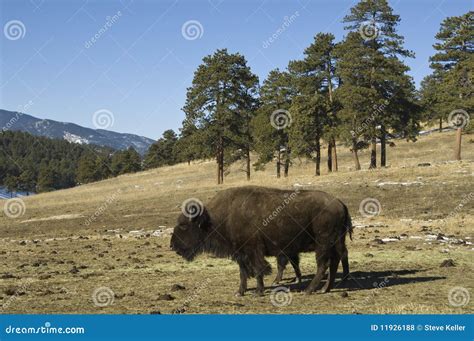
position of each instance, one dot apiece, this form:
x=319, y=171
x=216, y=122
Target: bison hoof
x=259, y=293
x=308, y=291
x=239, y=294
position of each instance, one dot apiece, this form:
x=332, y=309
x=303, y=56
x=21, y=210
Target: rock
x=177, y=287
x=166, y=297
x=155, y=312
x=344, y=294
x=9, y=291
x=74, y=270
x=369, y=255
x=378, y=241
x=447, y=263
x=424, y=164
x=7, y=275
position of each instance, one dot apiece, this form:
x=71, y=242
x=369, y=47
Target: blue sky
x=140, y=65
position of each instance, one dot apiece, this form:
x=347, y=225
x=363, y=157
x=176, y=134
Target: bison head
x=191, y=230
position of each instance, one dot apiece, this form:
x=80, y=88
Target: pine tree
x=270, y=127
x=214, y=104
x=375, y=22
x=162, y=152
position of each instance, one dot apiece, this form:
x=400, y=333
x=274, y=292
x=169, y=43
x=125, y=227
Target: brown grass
x=56, y=235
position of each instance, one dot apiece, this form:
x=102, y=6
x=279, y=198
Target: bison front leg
x=295, y=263
x=243, y=280
x=260, y=284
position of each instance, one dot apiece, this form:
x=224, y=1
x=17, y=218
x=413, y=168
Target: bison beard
x=236, y=223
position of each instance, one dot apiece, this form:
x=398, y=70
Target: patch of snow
x=75, y=138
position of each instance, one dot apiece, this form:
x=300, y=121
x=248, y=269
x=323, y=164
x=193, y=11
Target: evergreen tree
x=214, y=104
x=270, y=127
x=162, y=152
x=375, y=22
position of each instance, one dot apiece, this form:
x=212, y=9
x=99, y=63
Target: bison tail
x=348, y=222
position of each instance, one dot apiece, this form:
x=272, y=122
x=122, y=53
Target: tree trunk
x=356, y=156
x=278, y=164
x=222, y=166
x=457, y=150
x=373, y=153
x=334, y=155
x=218, y=162
x=287, y=163
x=248, y=164
x=440, y=124
x=383, y=147
x=318, y=158
x=330, y=156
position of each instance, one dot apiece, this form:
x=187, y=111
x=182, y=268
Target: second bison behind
x=248, y=223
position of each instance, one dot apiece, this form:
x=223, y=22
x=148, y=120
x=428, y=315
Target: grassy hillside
x=113, y=234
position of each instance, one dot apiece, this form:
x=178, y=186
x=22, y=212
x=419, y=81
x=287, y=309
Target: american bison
x=248, y=223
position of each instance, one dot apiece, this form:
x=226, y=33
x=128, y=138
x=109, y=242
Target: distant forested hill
x=38, y=164
x=10, y=120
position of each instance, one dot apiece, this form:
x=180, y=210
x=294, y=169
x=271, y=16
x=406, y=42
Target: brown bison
x=248, y=223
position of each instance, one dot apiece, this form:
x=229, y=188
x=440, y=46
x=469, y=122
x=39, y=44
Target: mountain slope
x=10, y=120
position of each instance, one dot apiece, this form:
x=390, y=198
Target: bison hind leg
x=282, y=261
x=333, y=264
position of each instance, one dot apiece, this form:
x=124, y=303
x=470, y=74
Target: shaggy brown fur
x=249, y=223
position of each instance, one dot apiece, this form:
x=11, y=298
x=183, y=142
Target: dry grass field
x=104, y=247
